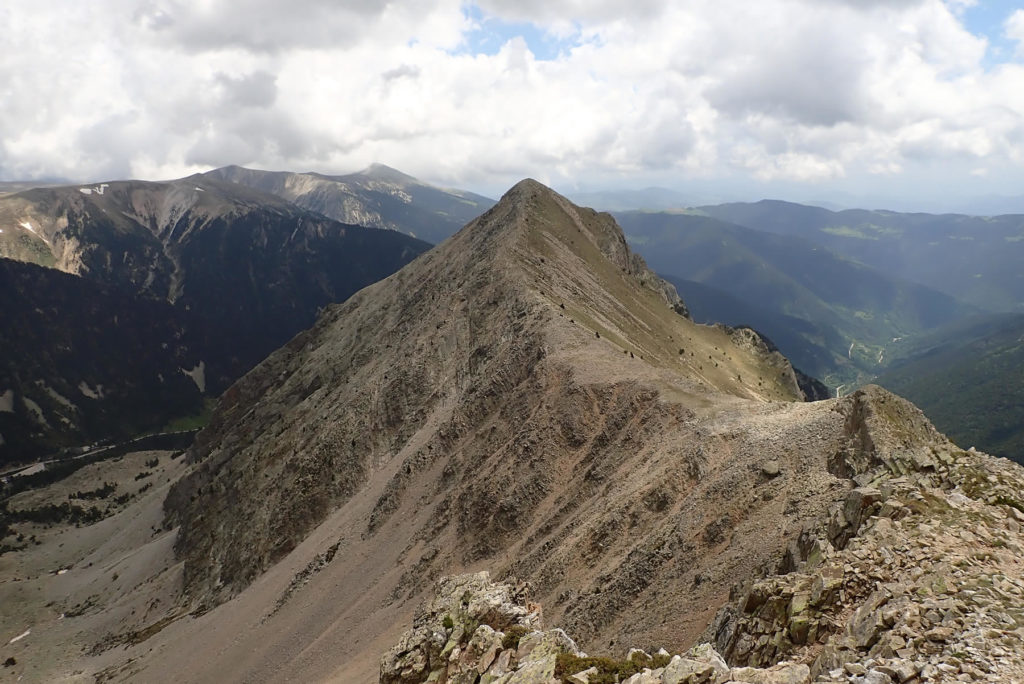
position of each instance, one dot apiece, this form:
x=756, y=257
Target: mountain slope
x=800, y=339
x=84, y=361
x=969, y=379
x=472, y=321
x=973, y=258
x=379, y=197
x=250, y=269
x=851, y=312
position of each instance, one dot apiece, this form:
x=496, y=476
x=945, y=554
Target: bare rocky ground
x=915, y=578
x=526, y=399
x=70, y=593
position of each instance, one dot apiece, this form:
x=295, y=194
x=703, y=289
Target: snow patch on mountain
x=198, y=375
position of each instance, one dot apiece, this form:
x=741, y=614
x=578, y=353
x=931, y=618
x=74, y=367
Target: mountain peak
x=386, y=173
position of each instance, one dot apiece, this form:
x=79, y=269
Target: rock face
x=243, y=271
x=479, y=632
x=916, y=576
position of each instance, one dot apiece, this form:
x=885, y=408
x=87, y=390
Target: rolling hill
x=969, y=378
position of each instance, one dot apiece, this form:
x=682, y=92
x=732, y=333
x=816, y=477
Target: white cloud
x=1014, y=29
x=804, y=90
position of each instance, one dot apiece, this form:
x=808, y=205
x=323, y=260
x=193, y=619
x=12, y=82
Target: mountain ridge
x=378, y=197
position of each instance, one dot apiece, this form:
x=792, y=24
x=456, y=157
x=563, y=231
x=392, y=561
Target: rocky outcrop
x=915, y=577
x=476, y=631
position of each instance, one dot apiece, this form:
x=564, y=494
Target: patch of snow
x=36, y=410
x=101, y=188
x=57, y=396
x=28, y=226
x=199, y=189
x=20, y=636
x=7, y=402
x=90, y=392
x=62, y=571
x=85, y=191
x=198, y=375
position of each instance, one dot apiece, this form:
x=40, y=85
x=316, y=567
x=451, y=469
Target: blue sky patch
x=986, y=18
x=492, y=32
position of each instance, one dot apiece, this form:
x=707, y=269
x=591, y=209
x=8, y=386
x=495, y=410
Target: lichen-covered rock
x=460, y=633
x=784, y=673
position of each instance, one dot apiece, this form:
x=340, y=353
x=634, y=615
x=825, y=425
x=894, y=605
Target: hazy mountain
x=652, y=199
x=975, y=259
x=378, y=197
x=250, y=269
x=969, y=378
x=83, y=360
x=849, y=313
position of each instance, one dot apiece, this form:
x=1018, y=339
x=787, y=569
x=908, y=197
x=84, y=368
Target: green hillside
x=844, y=314
x=974, y=258
x=969, y=379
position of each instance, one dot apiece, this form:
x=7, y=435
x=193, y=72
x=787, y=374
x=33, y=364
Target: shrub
x=512, y=636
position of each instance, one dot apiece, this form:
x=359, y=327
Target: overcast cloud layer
x=827, y=95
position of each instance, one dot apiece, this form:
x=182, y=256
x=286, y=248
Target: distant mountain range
x=975, y=259
x=377, y=197
x=237, y=261
x=856, y=295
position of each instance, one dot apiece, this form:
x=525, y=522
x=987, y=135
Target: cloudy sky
x=921, y=100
